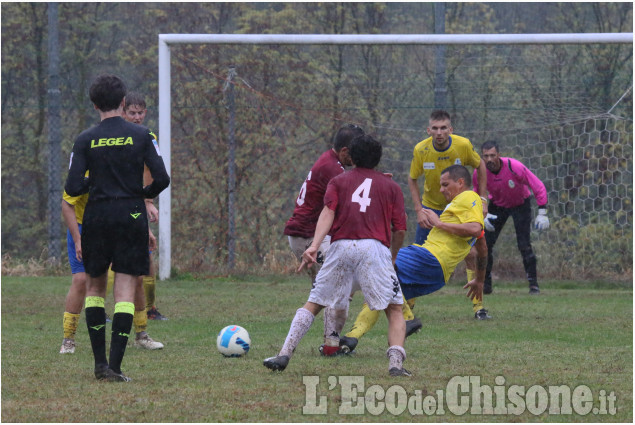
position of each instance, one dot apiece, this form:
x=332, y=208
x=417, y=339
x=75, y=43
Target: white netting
x=546, y=106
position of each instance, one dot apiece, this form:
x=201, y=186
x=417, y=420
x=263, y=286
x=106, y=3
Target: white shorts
x=352, y=264
x=299, y=245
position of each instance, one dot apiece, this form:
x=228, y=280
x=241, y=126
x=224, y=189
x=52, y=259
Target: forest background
x=565, y=111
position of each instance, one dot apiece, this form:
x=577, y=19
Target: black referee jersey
x=115, y=151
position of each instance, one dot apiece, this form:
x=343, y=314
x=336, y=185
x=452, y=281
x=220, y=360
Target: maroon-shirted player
x=365, y=215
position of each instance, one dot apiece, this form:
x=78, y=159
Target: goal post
x=164, y=77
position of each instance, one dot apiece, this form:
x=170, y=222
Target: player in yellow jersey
x=423, y=269
x=432, y=155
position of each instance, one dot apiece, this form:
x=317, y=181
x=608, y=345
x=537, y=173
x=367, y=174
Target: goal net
x=564, y=110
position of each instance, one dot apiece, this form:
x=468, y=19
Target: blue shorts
x=422, y=233
x=76, y=265
x=419, y=272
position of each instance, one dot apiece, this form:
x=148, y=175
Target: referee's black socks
x=121, y=326
x=96, y=322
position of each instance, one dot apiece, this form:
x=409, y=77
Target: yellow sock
x=477, y=305
x=149, y=287
x=111, y=281
x=364, y=322
x=411, y=303
x=140, y=321
x=70, y=324
x=471, y=274
x=407, y=311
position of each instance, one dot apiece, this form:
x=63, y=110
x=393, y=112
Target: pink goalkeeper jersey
x=310, y=201
x=510, y=186
x=367, y=205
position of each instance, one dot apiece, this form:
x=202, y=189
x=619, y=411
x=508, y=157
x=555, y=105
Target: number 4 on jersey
x=360, y=195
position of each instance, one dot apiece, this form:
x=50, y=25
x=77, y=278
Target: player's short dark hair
x=439, y=115
x=107, y=92
x=365, y=151
x=489, y=145
x=344, y=135
x=135, y=98
x=457, y=172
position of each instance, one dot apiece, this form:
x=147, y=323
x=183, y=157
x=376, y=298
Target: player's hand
x=542, y=221
x=475, y=290
x=489, y=226
x=152, y=241
x=427, y=218
x=78, y=250
x=389, y=175
x=309, y=257
x=153, y=212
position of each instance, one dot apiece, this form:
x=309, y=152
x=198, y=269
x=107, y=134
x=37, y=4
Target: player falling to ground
x=364, y=213
x=430, y=157
x=423, y=269
x=115, y=223
x=508, y=184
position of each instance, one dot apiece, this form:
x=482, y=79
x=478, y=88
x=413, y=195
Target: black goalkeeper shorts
x=115, y=231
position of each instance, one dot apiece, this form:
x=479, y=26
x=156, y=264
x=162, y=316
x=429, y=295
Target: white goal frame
x=165, y=40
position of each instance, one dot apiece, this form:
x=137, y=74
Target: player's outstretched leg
x=299, y=327
x=364, y=322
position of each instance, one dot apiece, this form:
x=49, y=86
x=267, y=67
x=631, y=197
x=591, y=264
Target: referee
x=115, y=226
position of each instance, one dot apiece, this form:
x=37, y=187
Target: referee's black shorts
x=115, y=231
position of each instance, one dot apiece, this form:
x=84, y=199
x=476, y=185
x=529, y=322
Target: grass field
x=574, y=334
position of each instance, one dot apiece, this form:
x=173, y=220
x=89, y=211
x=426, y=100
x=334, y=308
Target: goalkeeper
x=424, y=269
x=508, y=184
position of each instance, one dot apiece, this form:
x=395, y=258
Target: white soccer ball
x=233, y=341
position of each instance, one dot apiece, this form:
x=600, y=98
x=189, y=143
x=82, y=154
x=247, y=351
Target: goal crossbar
x=165, y=40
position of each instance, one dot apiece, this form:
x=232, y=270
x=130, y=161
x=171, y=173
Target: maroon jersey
x=310, y=201
x=367, y=205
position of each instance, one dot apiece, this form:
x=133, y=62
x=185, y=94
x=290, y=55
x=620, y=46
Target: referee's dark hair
x=457, y=172
x=344, y=136
x=365, y=151
x=107, y=92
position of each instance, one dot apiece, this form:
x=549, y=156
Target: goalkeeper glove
x=489, y=226
x=542, y=221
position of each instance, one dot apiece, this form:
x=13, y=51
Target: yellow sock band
x=94, y=302
x=124, y=307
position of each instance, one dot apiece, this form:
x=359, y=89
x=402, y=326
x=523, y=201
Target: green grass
x=573, y=334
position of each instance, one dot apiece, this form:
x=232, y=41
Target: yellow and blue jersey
x=428, y=162
x=450, y=249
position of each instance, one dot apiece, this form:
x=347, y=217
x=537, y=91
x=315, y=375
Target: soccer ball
x=233, y=341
